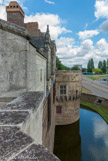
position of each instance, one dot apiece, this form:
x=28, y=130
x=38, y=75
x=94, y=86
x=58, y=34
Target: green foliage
x=90, y=65
x=100, y=110
x=104, y=66
x=75, y=67
x=97, y=71
x=60, y=66
x=100, y=65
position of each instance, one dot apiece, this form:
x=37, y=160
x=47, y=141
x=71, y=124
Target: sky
x=79, y=27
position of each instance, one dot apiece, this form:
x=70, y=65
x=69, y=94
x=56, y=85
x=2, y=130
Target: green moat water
x=85, y=140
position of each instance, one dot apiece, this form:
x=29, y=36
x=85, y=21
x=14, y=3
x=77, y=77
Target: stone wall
x=99, y=101
x=21, y=129
x=68, y=103
x=49, y=121
x=21, y=66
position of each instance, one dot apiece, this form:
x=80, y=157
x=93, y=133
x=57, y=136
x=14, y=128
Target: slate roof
x=38, y=42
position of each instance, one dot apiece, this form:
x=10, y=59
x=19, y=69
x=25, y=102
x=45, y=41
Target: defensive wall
x=27, y=87
x=27, y=79
x=91, y=98
x=68, y=92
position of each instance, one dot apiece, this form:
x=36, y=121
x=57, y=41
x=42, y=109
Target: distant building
x=15, y=14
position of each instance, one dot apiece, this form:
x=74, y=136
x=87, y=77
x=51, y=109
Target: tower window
x=59, y=109
x=62, y=89
x=41, y=75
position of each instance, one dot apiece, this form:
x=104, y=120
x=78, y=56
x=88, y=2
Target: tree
x=107, y=63
x=60, y=66
x=97, y=71
x=104, y=67
x=75, y=67
x=90, y=65
x=100, y=65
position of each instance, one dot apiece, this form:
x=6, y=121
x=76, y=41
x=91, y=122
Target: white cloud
x=4, y=3
x=87, y=34
x=101, y=9
x=50, y=2
x=101, y=130
x=71, y=54
x=54, y=21
x=104, y=26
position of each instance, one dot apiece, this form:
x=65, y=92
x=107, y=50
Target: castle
x=35, y=96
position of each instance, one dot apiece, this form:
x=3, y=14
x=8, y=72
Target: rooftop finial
x=47, y=28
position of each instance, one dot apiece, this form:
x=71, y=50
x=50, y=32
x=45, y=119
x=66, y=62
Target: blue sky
x=80, y=28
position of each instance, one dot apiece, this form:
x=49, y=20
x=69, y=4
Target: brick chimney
x=15, y=14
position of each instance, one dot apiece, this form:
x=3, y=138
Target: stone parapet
x=21, y=129
x=13, y=28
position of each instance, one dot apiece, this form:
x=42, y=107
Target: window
x=59, y=109
x=41, y=75
x=63, y=89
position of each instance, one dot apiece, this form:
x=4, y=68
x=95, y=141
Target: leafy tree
x=90, y=65
x=60, y=66
x=100, y=65
x=104, y=67
x=97, y=71
x=107, y=63
x=75, y=67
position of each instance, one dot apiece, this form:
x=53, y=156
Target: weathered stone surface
x=13, y=117
x=13, y=28
x=12, y=141
x=27, y=101
x=36, y=153
x=70, y=101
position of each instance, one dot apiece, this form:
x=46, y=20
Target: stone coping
x=68, y=71
x=15, y=145
x=26, y=102
x=13, y=28
x=35, y=153
x=12, y=141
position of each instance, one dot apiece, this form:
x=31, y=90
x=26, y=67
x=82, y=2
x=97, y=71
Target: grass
x=96, y=77
x=99, y=110
x=85, y=90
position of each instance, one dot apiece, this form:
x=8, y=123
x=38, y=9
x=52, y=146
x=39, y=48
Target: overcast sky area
x=79, y=27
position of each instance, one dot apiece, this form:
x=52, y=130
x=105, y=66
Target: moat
x=85, y=140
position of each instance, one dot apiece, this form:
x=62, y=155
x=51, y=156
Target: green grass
x=97, y=77
x=99, y=110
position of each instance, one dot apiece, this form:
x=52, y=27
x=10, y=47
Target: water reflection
x=68, y=142
x=91, y=146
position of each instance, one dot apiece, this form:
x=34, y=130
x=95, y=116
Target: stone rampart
x=91, y=98
x=21, y=129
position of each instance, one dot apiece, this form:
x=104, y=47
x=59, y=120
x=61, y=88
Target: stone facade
x=22, y=67
x=68, y=92
x=49, y=121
